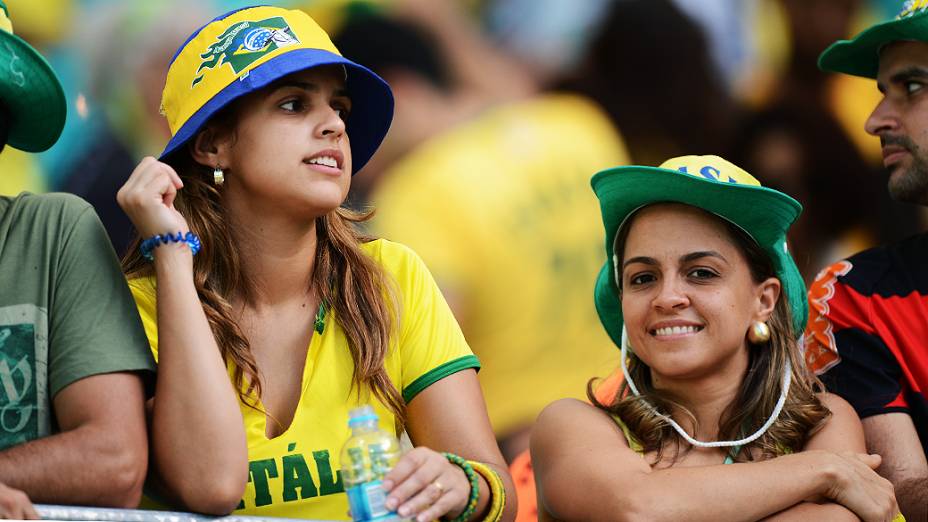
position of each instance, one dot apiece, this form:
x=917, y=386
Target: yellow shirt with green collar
x=296, y=474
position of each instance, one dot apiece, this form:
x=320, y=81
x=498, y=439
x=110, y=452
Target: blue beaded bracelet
x=157, y=240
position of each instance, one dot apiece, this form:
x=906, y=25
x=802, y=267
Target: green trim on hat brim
x=765, y=214
x=33, y=93
x=861, y=55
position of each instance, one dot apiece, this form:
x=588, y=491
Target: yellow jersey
x=297, y=474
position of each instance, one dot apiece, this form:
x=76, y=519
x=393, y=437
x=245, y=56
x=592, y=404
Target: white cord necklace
x=787, y=378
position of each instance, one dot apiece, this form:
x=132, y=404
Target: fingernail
x=387, y=485
x=404, y=511
x=391, y=503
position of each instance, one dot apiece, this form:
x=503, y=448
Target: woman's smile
x=672, y=330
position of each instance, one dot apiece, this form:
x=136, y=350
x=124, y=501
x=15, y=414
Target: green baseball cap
x=861, y=55
x=714, y=185
x=31, y=90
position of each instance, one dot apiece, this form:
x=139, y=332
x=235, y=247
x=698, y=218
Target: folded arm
x=893, y=436
x=585, y=471
x=100, y=455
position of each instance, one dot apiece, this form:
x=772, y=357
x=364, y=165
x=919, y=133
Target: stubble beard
x=910, y=183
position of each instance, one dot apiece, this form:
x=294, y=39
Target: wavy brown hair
x=802, y=415
x=348, y=282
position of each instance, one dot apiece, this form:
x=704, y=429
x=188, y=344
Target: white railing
x=80, y=513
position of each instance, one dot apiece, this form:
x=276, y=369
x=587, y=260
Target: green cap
x=861, y=55
x=30, y=88
x=714, y=185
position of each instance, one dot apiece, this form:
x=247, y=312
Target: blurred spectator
x=478, y=67
x=547, y=36
x=635, y=68
x=128, y=46
x=72, y=421
x=728, y=25
x=799, y=149
x=435, y=56
x=427, y=97
x=500, y=206
x=796, y=144
x=813, y=25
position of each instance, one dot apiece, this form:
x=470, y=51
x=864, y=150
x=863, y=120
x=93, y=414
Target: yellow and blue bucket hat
x=860, y=56
x=247, y=49
x=714, y=185
x=31, y=90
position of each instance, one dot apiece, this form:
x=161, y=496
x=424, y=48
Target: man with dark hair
x=868, y=330
x=72, y=349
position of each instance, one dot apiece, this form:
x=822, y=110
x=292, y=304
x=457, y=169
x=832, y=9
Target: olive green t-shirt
x=65, y=310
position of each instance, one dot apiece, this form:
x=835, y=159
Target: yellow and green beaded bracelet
x=474, y=485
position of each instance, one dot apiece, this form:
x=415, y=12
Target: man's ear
x=211, y=148
x=768, y=292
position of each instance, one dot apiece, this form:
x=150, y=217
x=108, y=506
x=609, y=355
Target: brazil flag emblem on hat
x=860, y=56
x=246, y=42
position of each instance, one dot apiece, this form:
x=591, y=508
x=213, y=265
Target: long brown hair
x=347, y=281
x=802, y=415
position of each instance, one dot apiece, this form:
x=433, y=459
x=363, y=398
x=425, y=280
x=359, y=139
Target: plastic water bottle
x=368, y=455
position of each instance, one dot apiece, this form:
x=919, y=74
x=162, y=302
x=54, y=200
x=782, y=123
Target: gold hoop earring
x=759, y=333
x=219, y=177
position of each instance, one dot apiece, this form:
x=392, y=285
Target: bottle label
x=368, y=501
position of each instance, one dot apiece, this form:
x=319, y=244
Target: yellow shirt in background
x=20, y=173
x=297, y=474
x=502, y=212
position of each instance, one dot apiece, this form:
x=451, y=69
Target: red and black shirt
x=867, y=336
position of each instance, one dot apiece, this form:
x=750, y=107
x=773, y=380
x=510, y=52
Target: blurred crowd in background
x=504, y=110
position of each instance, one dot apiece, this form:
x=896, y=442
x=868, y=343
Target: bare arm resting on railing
x=100, y=455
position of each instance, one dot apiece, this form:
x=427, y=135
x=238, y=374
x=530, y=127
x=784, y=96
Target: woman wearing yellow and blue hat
x=248, y=270
x=705, y=301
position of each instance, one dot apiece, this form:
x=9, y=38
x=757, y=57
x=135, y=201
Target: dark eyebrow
x=639, y=259
x=909, y=73
x=306, y=86
x=692, y=256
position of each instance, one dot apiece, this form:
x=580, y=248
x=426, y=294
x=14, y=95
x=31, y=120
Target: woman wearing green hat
x=707, y=305
x=248, y=271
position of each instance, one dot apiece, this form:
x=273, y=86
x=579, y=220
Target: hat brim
x=763, y=213
x=371, y=101
x=860, y=56
x=33, y=93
